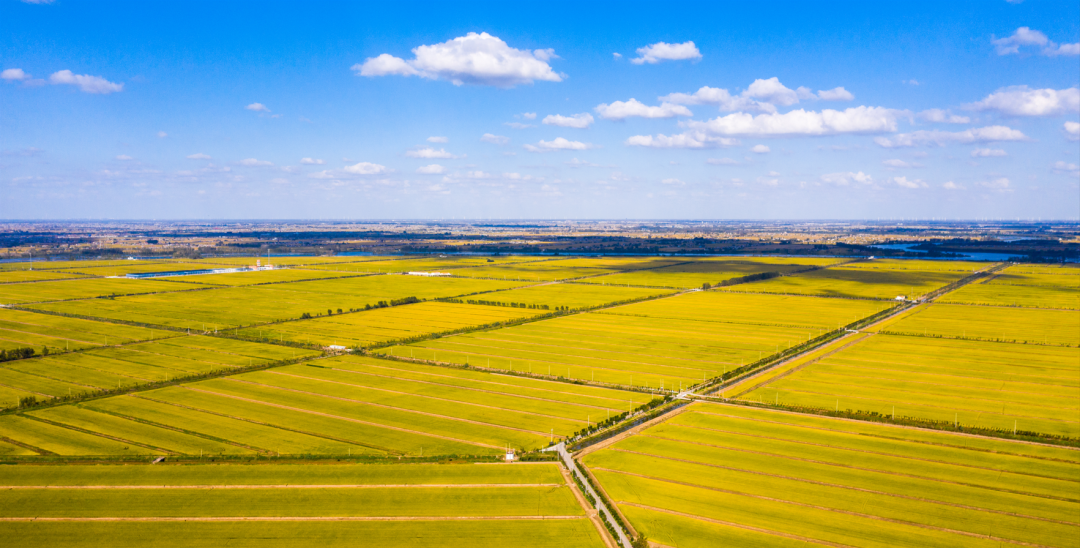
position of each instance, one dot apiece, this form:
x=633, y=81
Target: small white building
x=901, y=298
x=337, y=348
x=429, y=274
x=510, y=457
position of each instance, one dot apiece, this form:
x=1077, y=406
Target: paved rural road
x=600, y=506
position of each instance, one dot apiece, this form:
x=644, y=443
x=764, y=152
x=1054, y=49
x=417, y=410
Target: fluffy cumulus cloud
x=312, y=161
x=903, y=182
x=559, y=143
x=975, y=135
x=433, y=169
x=1067, y=168
x=761, y=96
x=800, y=122
x=257, y=107
x=688, y=139
x=846, y=178
x=528, y=115
x=662, y=51
x=198, y=156
x=494, y=139
x=14, y=75
x=760, y=149
x=988, y=153
x=579, y=121
x=633, y=108
x=1072, y=130
x=365, y=168
x=1024, y=101
x=1025, y=36
x=432, y=153
x=1001, y=184
x=943, y=116
x=85, y=82
x=480, y=59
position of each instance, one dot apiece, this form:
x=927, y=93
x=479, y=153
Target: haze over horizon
x=171, y=110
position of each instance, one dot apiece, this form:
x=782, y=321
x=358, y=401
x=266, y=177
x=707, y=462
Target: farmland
x=262, y=277
x=85, y=288
x=983, y=384
x=1021, y=285
x=694, y=274
x=664, y=342
x=22, y=329
x=22, y=276
x=730, y=475
x=387, y=505
x=345, y=405
x=111, y=367
x=227, y=308
x=991, y=323
x=387, y=324
x=569, y=295
x=860, y=283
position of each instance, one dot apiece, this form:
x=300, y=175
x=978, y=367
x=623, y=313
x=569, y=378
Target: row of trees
x=21, y=353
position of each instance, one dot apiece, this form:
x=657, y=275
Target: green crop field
x=1021, y=285
x=76, y=373
x=336, y=406
x=721, y=475
x=227, y=308
x=23, y=329
x=694, y=274
x=85, y=288
x=387, y=324
x=984, y=384
x=663, y=342
x=244, y=505
x=992, y=323
x=864, y=283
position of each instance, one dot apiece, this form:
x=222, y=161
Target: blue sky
x=846, y=110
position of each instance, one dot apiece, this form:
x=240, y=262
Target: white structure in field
x=510, y=455
x=900, y=298
x=428, y=273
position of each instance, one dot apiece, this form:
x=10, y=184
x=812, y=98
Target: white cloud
x=662, y=51
x=528, y=115
x=257, y=107
x=432, y=169
x=620, y=110
x=437, y=139
x=518, y=125
x=579, y=121
x=365, y=168
x=772, y=91
x=722, y=162
x=988, y=153
x=85, y=82
x=1072, y=130
x=847, y=177
x=124, y=157
x=835, y=94
x=198, y=156
x=996, y=184
x=431, y=153
x=976, y=135
x=38, y=2
x=943, y=116
x=895, y=163
x=689, y=139
x=905, y=183
x=912, y=82
x=1024, y=101
x=672, y=181
x=162, y=134
x=719, y=97
x=1063, y=49
x=617, y=55
x=801, y=122
x=480, y=59
x=253, y=162
x=312, y=161
x=1023, y=36
x=760, y=149
x=574, y=162
x=494, y=139
x=558, y=143
x=14, y=75
x=1067, y=168
x=949, y=185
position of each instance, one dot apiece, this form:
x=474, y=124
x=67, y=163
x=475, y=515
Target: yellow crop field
x=24, y=329
x=85, y=288
x=693, y=274
x=1021, y=285
x=21, y=276
x=920, y=264
x=993, y=323
x=726, y=475
x=262, y=277
x=387, y=324
x=863, y=283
